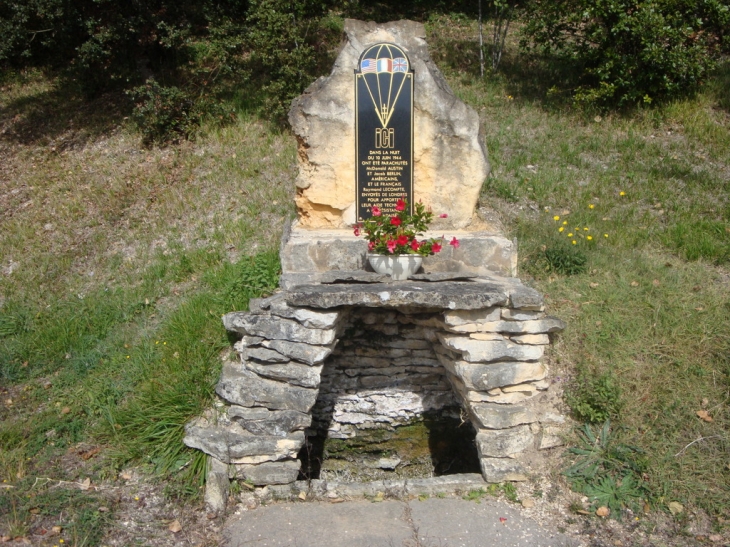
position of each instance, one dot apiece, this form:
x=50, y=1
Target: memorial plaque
x=383, y=129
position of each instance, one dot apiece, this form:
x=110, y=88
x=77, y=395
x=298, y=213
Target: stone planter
x=398, y=267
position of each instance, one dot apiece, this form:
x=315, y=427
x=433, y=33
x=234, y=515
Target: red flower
x=400, y=206
x=391, y=245
x=415, y=245
x=376, y=211
x=443, y=215
x=357, y=230
x=455, y=243
x=371, y=245
x=435, y=247
x=402, y=240
x=395, y=221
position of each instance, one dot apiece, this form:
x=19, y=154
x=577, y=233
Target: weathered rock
x=519, y=315
x=217, y=486
x=283, y=472
x=449, y=295
x=486, y=351
x=539, y=326
x=502, y=470
x=492, y=416
x=233, y=444
x=486, y=336
x=531, y=339
x=465, y=317
x=503, y=443
x=484, y=377
x=292, y=373
x=262, y=354
x=550, y=437
x=244, y=388
x=312, y=319
x=262, y=421
x=305, y=353
x=525, y=298
x=276, y=328
x=449, y=154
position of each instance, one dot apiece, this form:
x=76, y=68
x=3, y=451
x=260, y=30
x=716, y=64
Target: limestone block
x=244, y=388
x=276, y=328
x=486, y=351
x=538, y=326
x=503, y=443
x=262, y=354
x=283, y=472
x=305, y=353
x=531, y=339
x=313, y=319
x=486, y=336
x=493, y=416
x=519, y=315
x=502, y=470
x=525, y=298
x=449, y=153
x=262, y=421
x=550, y=437
x=233, y=444
x=484, y=377
x=463, y=317
x=217, y=486
x=292, y=373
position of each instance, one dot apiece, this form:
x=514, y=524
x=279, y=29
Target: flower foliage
x=399, y=234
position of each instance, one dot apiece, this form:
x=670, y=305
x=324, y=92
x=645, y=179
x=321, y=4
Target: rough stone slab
x=443, y=276
x=464, y=317
x=262, y=354
x=244, y=388
x=502, y=470
x=486, y=336
x=305, y=353
x=525, y=298
x=519, y=315
x=217, y=486
x=493, y=416
x=484, y=377
x=503, y=443
x=539, y=326
x=313, y=319
x=449, y=295
x=233, y=444
x=276, y=328
x=550, y=437
x=485, y=351
x=531, y=339
x=262, y=421
x=517, y=394
x=282, y=472
x=291, y=373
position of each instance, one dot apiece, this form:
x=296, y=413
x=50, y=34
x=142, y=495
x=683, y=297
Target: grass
x=116, y=262
x=648, y=306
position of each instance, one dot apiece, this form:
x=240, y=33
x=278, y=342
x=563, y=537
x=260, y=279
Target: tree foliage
x=631, y=51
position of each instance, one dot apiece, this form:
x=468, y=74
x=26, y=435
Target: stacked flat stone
x=489, y=335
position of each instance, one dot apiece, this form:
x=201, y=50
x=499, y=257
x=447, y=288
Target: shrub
x=595, y=398
x=631, y=51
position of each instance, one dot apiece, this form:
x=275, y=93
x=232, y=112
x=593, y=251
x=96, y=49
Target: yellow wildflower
x=589, y=238
x=570, y=234
x=561, y=229
x=556, y=217
x=622, y=193
x=565, y=223
x=585, y=229
x=605, y=235
x=574, y=242
x=591, y=206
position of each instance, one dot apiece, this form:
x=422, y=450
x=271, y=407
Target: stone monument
x=344, y=350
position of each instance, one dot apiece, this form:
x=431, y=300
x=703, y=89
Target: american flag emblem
x=400, y=65
x=368, y=65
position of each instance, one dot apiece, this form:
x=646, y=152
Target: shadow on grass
x=60, y=115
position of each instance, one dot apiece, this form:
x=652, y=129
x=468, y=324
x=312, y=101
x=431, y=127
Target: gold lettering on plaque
x=384, y=138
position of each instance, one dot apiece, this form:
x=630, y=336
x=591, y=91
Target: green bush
x=595, y=398
x=631, y=51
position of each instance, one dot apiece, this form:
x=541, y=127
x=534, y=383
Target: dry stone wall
x=477, y=342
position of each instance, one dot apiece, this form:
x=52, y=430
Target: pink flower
x=455, y=243
x=400, y=206
x=395, y=221
x=371, y=245
x=402, y=240
x=435, y=247
x=415, y=245
x=357, y=230
x=376, y=211
x=443, y=215
x=391, y=245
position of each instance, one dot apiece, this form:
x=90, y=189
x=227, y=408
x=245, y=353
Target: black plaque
x=383, y=129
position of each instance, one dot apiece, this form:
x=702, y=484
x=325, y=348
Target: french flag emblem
x=385, y=65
